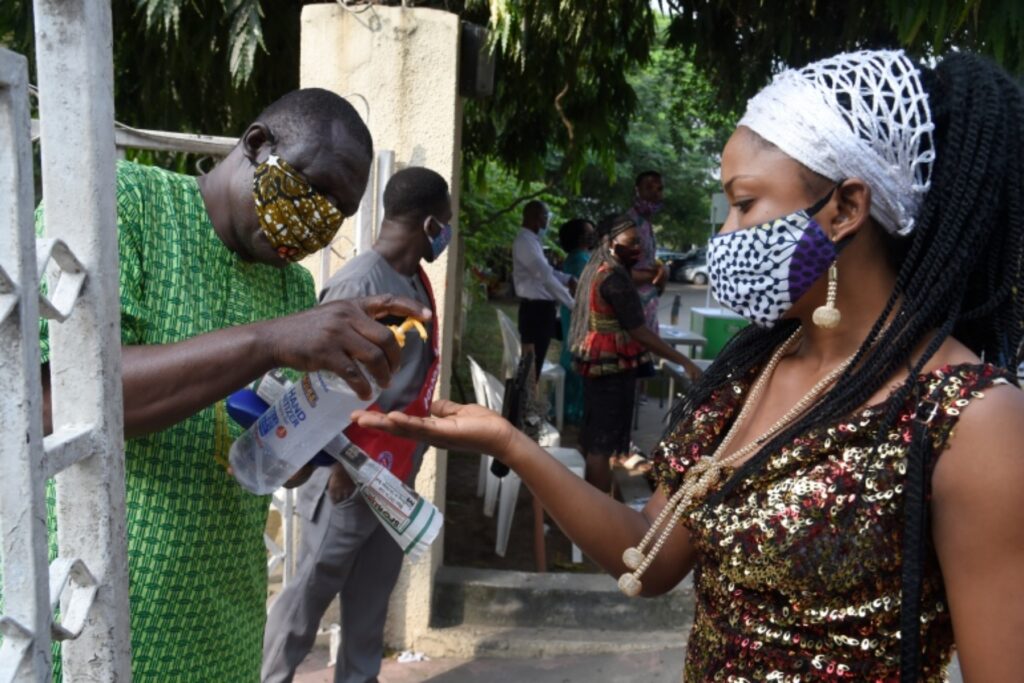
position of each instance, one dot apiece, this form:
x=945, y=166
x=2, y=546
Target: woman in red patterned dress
x=610, y=342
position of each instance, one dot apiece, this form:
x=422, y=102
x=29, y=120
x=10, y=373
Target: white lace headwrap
x=859, y=114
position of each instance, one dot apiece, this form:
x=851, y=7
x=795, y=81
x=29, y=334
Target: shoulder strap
x=950, y=392
x=932, y=423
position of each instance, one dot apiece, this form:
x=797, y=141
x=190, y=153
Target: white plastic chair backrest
x=479, y=378
x=511, y=349
x=495, y=392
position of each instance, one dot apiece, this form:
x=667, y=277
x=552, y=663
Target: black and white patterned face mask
x=760, y=272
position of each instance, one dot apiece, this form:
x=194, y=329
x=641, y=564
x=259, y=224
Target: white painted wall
x=405, y=63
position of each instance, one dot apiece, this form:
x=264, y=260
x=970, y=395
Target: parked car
x=667, y=256
x=677, y=268
x=697, y=273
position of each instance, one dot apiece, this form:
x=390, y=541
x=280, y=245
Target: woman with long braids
x=610, y=343
x=845, y=479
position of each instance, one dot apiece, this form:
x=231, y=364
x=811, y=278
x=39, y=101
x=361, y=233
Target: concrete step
x=470, y=641
x=559, y=600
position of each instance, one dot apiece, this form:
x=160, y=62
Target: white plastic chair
x=479, y=379
x=549, y=440
x=573, y=461
x=549, y=373
x=549, y=436
x=490, y=393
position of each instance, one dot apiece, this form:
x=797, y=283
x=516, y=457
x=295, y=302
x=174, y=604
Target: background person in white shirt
x=538, y=285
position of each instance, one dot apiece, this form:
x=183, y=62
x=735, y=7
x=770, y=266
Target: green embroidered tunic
x=197, y=563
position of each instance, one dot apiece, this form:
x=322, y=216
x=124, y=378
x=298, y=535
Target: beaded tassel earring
x=828, y=316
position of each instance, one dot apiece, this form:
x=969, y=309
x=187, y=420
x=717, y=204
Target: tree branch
x=561, y=112
x=512, y=207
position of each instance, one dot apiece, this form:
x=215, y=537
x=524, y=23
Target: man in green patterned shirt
x=210, y=300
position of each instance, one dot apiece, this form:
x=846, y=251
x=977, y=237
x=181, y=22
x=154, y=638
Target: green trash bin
x=718, y=325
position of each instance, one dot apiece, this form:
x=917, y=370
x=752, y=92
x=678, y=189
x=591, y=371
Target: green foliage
x=576, y=107
x=491, y=214
x=678, y=129
x=203, y=66
x=739, y=43
x=245, y=35
x=561, y=90
x=210, y=66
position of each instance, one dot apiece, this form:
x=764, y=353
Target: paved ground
x=661, y=666
x=690, y=296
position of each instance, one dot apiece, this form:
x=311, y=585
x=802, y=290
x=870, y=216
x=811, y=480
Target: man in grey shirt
x=345, y=549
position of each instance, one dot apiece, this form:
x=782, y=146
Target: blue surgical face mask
x=439, y=242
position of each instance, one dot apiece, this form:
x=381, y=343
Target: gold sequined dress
x=798, y=570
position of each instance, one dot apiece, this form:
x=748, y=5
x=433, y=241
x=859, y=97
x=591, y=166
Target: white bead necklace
x=707, y=471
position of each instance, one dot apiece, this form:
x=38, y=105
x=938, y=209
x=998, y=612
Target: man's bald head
x=535, y=215
x=312, y=113
x=322, y=136
x=316, y=132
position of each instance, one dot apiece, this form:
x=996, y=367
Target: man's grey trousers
x=345, y=551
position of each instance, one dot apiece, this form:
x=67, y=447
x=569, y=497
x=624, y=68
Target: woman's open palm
x=450, y=425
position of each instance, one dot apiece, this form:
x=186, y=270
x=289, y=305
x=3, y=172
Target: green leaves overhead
x=678, y=129
x=245, y=35
x=562, y=100
x=201, y=66
x=561, y=86
x=243, y=20
x=740, y=43
x=163, y=15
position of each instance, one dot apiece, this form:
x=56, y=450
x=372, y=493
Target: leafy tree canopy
x=211, y=65
x=203, y=66
x=678, y=129
x=561, y=86
x=739, y=43
x=586, y=92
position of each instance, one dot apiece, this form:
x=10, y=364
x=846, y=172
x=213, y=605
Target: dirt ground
x=470, y=536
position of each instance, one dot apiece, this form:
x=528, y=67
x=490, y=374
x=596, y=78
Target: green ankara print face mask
x=297, y=220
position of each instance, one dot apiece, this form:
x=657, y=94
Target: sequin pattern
x=796, y=580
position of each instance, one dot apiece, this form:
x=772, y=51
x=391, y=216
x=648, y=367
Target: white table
x=679, y=337
x=673, y=336
x=676, y=371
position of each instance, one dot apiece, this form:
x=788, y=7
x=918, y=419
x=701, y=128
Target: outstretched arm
x=621, y=294
x=164, y=384
x=656, y=344
x=601, y=526
x=643, y=276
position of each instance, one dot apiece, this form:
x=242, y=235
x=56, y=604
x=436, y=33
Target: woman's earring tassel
x=828, y=316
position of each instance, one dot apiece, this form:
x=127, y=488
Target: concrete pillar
x=405, y=64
